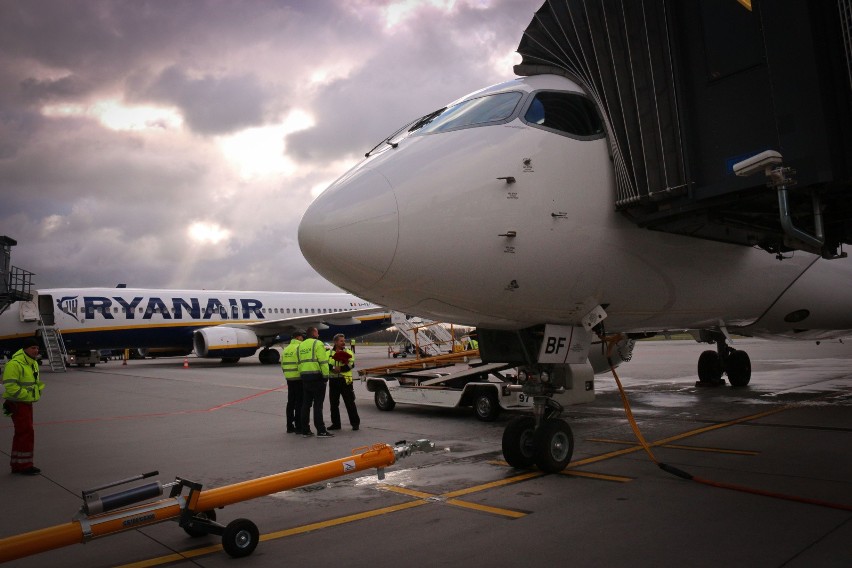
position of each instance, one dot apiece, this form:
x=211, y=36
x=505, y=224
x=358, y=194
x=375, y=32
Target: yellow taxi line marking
x=450, y=499
x=342, y=520
x=593, y=475
x=679, y=447
x=578, y=473
x=487, y=509
x=681, y=436
x=406, y=491
x=498, y=483
x=276, y=535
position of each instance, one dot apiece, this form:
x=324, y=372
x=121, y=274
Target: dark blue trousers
x=313, y=395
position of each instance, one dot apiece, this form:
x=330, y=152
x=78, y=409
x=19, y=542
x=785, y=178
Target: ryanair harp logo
x=68, y=305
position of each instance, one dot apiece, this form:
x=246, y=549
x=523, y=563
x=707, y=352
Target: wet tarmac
x=773, y=463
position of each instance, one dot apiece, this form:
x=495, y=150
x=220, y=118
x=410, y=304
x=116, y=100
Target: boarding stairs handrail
x=55, y=347
x=430, y=342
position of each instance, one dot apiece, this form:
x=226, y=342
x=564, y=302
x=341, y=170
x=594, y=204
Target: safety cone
x=185, y=363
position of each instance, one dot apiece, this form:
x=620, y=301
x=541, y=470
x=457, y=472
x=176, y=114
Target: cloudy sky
x=178, y=143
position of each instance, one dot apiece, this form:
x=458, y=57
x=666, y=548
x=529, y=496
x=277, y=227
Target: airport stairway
x=427, y=336
x=55, y=348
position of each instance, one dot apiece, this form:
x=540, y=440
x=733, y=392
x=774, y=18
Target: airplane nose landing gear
x=543, y=439
x=733, y=362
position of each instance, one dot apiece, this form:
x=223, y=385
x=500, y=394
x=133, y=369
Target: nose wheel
x=549, y=446
x=554, y=445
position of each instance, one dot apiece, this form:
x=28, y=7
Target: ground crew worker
x=473, y=343
x=22, y=388
x=313, y=369
x=290, y=366
x=341, y=363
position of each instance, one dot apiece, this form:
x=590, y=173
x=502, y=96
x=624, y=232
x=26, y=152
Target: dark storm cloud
x=424, y=67
x=210, y=105
x=94, y=204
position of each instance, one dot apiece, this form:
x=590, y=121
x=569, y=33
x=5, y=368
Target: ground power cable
x=610, y=343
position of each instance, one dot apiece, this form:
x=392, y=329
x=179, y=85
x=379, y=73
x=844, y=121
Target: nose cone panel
x=349, y=233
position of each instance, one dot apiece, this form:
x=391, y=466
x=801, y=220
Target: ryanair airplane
x=218, y=324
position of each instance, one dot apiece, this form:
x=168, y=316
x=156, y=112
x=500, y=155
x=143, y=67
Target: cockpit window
x=569, y=113
x=483, y=110
x=490, y=108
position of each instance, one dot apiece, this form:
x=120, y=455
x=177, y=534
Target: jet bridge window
x=474, y=112
x=566, y=113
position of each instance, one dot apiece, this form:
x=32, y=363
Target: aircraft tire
x=240, y=538
x=553, y=445
x=383, y=399
x=518, y=448
x=486, y=406
x=269, y=356
x=738, y=368
x=709, y=367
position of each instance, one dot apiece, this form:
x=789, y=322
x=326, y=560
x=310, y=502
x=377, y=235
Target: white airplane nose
x=349, y=233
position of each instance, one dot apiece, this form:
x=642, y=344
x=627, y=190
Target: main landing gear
x=733, y=362
x=544, y=439
x=268, y=356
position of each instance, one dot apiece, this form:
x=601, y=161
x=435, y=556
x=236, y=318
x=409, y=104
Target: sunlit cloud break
x=118, y=116
x=260, y=152
x=204, y=232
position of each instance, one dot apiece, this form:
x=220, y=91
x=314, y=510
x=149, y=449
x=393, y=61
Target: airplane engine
x=225, y=342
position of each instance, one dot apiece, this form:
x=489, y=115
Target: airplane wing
x=286, y=326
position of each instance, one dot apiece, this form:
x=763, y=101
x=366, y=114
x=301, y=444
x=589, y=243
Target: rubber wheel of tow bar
x=240, y=538
x=709, y=367
x=486, y=406
x=518, y=448
x=738, y=368
x=196, y=531
x=554, y=445
x=384, y=401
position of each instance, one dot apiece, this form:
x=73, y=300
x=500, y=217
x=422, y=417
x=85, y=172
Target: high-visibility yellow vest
x=313, y=358
x=290, y=360
x=20, y=378
x=345, y=374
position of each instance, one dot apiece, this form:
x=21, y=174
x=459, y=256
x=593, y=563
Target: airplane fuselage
x=509, y=224
x=117, y=318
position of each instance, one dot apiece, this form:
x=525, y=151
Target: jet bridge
x=15, y=283
x=688, y=90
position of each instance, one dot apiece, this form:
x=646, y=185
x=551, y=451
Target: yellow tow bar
x=108, y=515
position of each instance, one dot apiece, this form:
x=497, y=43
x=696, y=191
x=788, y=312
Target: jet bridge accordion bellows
x=687, y=89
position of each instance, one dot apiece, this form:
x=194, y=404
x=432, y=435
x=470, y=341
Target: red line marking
x=154, y=414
